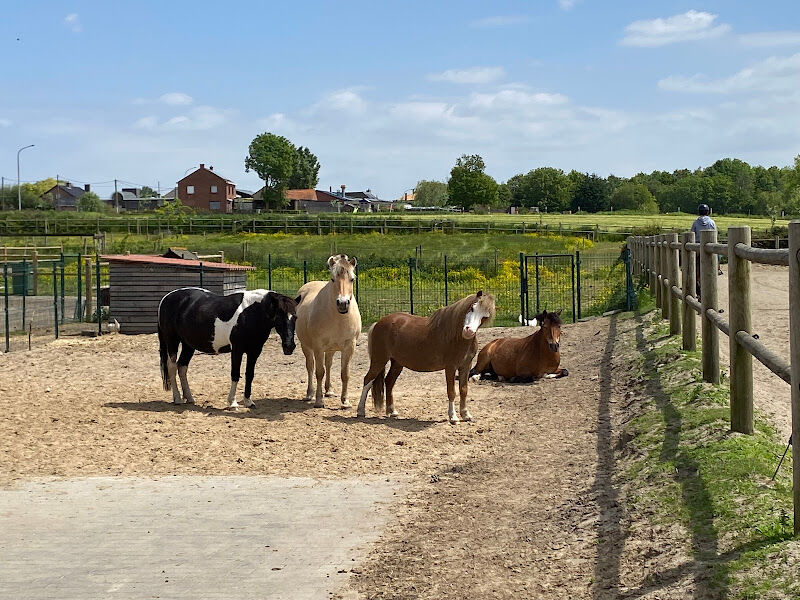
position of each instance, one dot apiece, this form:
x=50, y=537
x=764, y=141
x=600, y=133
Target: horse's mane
x=286, y=304
x=450, y=319
x=341, y=266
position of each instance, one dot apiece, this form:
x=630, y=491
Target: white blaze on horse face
x=222, y=329
x=473, y=321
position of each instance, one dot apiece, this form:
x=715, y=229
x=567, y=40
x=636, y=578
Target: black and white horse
x=199, y=320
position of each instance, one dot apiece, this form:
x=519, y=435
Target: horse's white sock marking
x=222, y=329
x=551, y=376
x=172, y=369
x=232, y=395
x=451, y=412
x=363, y=401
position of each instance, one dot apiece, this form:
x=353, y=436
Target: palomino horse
x=198, y=320
x=328, y=321
x=522, y=360
x=446, y=340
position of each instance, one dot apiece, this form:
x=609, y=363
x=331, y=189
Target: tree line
x=729, y=186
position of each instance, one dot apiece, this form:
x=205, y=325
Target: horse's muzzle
x=343, y=307
x=467, y=333
x=289, y=348
x=554, y=346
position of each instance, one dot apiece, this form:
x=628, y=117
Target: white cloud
x=73, y=21
x=176, y=99
x=773, y=75
x=768, y=39
x=690, y=26
x=200, y=118
x=500, y=21
x=5, y=123
x=566, y=4
x=474, y=75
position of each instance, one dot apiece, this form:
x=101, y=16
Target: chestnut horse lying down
x=522, y=360
x=445, y=340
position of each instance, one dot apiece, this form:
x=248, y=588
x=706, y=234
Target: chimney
x=330, y=189
x=211, y=168
x=86, y=187
x=202, y=166
x=343, y=186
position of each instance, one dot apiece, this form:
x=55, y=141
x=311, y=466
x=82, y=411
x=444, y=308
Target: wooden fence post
x=88, y=283
x=708, y=300
x=651, y=265
x=674, y=280
x=740, y=320
x=657, y=257
x=35, y=272
x=794, y=355
x=689, y=281
x=665, y=304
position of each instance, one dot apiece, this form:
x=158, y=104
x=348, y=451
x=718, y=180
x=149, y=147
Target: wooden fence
x=668, y=265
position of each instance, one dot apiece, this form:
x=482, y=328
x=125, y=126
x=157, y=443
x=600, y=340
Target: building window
x=190, y=189
x=213, y=205
x=213, y=189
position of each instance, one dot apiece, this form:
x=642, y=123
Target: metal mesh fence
x=40, y=298
x=581, y=286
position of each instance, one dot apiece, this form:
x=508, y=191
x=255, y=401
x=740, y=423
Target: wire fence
x=49, y=297
x=41, y=299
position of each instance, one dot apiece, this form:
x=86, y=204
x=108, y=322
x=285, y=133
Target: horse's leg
x=236, y=365
x=376, y=368
x=391, y=377
x=319, y=359
x=450, y=376
x=347, y=354
x=172, y=369
x=310, y=370
x=249, y=373
x=561, y=373
x=328, y=363
x=463, y=386
x=183, y=365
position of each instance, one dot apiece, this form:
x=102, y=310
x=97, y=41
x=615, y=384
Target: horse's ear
x=558, y=312
x=271, y=303
x=298, y=299
x=353, y=261
x=479, y=294
x=331, y=261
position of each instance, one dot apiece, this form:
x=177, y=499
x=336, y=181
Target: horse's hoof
x=465, y=416
x=251, y=404
x=319, y=404
x=392, y=414
x=329, y=394
x=564, y=372
x=178, y=401
x=454, y=420
x=361, y=415
x=189, y=400
x=346, y=404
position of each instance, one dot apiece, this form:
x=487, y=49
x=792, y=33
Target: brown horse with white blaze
x=522, y=360
x=445, y=340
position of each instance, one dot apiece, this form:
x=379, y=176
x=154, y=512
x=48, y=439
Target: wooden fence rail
x=667, y=265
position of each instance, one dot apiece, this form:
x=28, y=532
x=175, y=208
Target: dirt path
x=524, y=502
x=769, y=289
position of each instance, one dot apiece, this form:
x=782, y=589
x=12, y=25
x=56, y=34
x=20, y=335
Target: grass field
x=621, y=223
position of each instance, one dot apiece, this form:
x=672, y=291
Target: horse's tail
x=162, y=350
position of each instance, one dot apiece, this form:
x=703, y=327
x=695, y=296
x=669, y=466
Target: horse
x=328, y=321
x=445, y=340
x=198, y=320
x=522, y=360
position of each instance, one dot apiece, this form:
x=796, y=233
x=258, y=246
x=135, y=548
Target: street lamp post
x=19, y=189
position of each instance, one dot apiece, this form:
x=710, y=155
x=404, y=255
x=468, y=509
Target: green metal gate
x=548, y=282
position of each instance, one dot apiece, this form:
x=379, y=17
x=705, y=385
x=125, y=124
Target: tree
x=305, y=171
x=272, y=157
x=90, y=202
x=430, y=193
x=591, y=194
x=503, y=196
x=147, y=192
x=469, y=185
x=633, y=196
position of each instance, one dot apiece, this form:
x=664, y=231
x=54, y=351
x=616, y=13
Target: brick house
x=206, y=190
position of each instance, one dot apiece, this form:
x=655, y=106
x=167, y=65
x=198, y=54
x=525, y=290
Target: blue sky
x=389, y=93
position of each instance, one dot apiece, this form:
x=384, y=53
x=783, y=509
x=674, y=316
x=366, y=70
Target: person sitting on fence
x=702, y=223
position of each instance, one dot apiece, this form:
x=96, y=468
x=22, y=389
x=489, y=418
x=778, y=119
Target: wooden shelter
x=139, y=282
